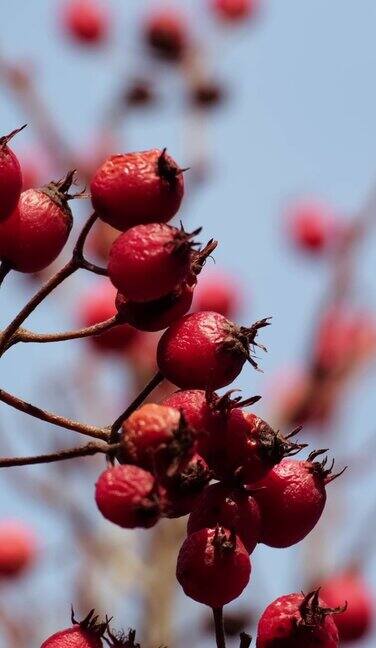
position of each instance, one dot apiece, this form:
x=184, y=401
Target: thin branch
x=82, y=451
x=219, y=627
x=54, y=419
x=152, y=384
x=26, y=336
x=74, y=264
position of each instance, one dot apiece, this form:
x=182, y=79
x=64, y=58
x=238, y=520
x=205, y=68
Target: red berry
x=355, y=622
x=252, y=447
x=87, y=634
x=298, y=621
x=137, y=188
x=97, y=306
x=10, y=176
x=205, y=350
x=36, y=231
x=150, y=261
x=86, y=21
x=312, y=226
x=232, y=508
x=166, y=35
x=154, y=436
x=213, y=566
x=127, y=496
x=234, y=10
x=292, y=498
x=183, y=484
x=17, y=548
x=218, y=293
x=158, y=314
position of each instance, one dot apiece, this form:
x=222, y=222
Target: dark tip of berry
x=274, y=446
x=167, y=169
x=90, y=623
x=241, y=340
x=183, y=242
x=201, y=257
x=6, y=138
x=121, y=640
x=245, y=640
x=222, y=542
x=179, y=446
x=193, y=479
x=312, y=613
x=223, y=404
x=321, y=468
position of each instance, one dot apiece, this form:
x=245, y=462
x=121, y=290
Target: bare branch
x=26, y=336
x=82, y=451
x=152, y=384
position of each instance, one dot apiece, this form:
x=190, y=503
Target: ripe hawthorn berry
x=85, y=634
x=38, y=228
x=127, y=496
x=137, y=188
x=348, y=585
x=235, y=10
x=150, y=261
x=231, y=507
x=182, y=484
x=213, y=566
x=292, y=498
x=18, y=548
x=154, y=436
x=10, y=176
x=298, y=621
x=98, y=305
x=166, y=35
x=158, y=314
x=252, y=447
x=205, y=349
x=312, y=226
x=218, y=293
x=86, y=21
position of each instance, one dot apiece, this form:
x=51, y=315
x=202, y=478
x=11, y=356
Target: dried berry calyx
x=6, y=138
x=181, y=443
x=321, y=468
x=58, y=191
x=225, y=403
x=200, y=257
x=192, y=479
x=223, y=542
x=274, y=446
x=121, y=640
x=90, y=623
x=183, y=241
x=241, y=340
x=167, y=169
x=312, y=613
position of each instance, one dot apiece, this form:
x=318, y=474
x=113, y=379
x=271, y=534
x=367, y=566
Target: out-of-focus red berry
x=98, y=305
x=18, y=547
x=137, y=188
x=218, y=292
x=235, y=10
x=86, y=21
x=312, y=226
x=166, y=34
x=348, y=585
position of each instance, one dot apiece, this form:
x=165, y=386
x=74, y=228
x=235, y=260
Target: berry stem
x=152, y=384
x=219, y=627
x=245, y=640
x=82, y=451
x=50, y=417
x=77, y=261
x=26, y=336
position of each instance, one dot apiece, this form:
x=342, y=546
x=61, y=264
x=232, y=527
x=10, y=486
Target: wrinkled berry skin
x=126, y=496
x=10, y=180
x=33, y=236
x=166, y=35
x=148, y=434
x=74, y=637
x=97, y=306
x=158, y=314
x=86, y=21
x=213, y=567
x=356, y=621
x=230, y=507
x=292, y=498
x=235, y=10
x=182, y=485
x=147, y=262
x=132, y=189
x=282, y=626
x=192, y=353
x=17, y=548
